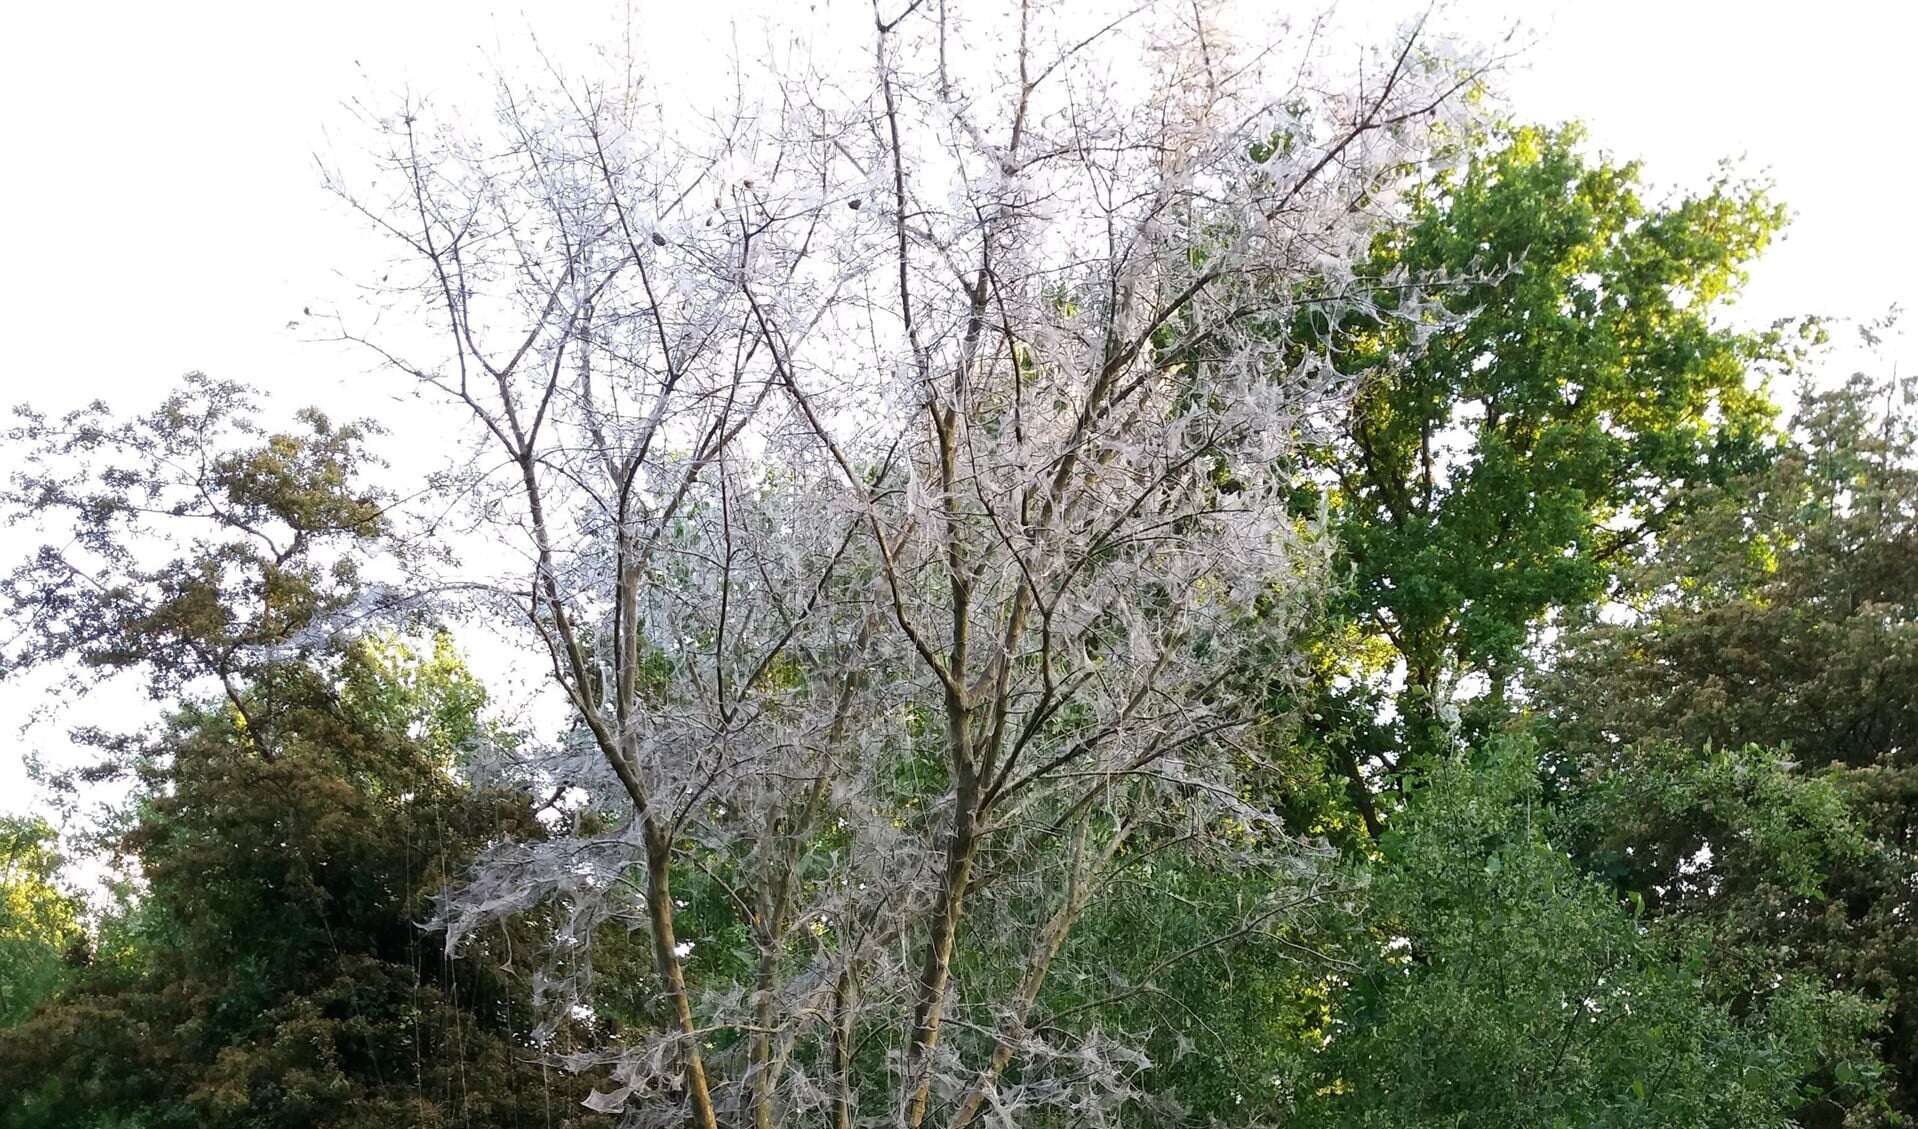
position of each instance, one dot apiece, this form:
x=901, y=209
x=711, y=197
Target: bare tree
x=899, y=463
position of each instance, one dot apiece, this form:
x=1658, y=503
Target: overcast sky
x=164, y=213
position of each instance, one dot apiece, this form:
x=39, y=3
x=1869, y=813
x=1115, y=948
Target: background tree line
x=1532, y=744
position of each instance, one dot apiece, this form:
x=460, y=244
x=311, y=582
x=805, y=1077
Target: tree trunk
x=842, y=1035
x=659, y=909
x=1361, y=794
x=760, y=1075
x=1039, y=959
x=937, y=970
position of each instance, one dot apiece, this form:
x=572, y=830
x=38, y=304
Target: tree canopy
x=1493, y=471
x=1098, y=569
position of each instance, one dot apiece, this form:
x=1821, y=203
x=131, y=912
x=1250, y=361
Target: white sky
x=164, y=213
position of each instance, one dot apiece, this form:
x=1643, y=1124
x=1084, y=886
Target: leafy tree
x=1502, y=987
x=192, y=546
x=298, y=811
x=1498, y=464
x=1782, y=612
x=1777, y=613
x=277, y=975
x=1223, y=1004
x=40, y=933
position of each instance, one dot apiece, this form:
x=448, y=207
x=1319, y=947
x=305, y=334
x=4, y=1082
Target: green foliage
x=1217, y=972
x=297, y=814
x=1782, y=612
x=281, y=977
x=187, y=543
x=1502, y=457
x=1680, y=827
x=1504, y=987
x=40, y=935
x=1521, y=957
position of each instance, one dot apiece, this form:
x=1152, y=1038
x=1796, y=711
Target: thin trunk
x=760, y=1077
x=1361, y=793
x=937, y=969
x=659, y=909
x=842, y=1036
x=1045, y=947
x=768, y=926
x=775, y=910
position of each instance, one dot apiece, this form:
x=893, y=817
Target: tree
x=39, y=920
x=1223, y=1006
x=1781, y=613
x=270, y=971
x=1498, y=467
x=297, y=811
x=895, y=457
x=1503, y=987
x=190, y=546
